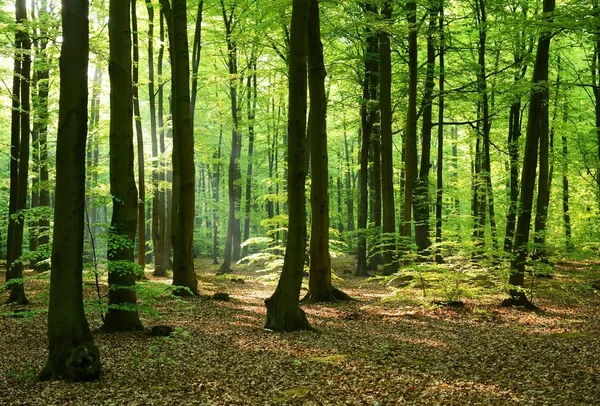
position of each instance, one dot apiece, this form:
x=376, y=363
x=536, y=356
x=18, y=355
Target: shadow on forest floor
x=390, y=347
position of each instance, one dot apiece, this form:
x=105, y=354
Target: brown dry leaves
x=364, y=353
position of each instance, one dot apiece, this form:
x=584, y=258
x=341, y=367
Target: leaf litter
x=368, y=352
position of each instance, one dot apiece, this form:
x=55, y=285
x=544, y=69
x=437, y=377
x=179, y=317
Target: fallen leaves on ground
x=368, y=352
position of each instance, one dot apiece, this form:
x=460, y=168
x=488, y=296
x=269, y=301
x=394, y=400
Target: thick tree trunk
x=122, y=301
x=536, y=125
x=283, y=310
x=320, y=288
x=184, y=183
x=390, y=265
x=72, y=353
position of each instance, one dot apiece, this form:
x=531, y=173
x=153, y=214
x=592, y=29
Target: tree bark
x=440, y=140
x=72, y=353
x=251, y=101
x=390, y=265
x=122, y=300
x=537, y=124
x=283, y=310
x=184, y=276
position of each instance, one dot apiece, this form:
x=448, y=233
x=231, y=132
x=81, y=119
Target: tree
x=536, y=125
x=183, y=156
x=72, y=354
x=122, y=308
x=20, y=129
x=320, y=288
x=283, y=309
x=387, y=164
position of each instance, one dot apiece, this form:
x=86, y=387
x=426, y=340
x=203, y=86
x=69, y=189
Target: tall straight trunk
x=122, y=300
x=14, y=271
x=184, y=182
x=251, y=100
x=283, y=310
x=196, y=48
x=410, y=158
x=349, y=189
x=320, y=288
x=440, y=139
x=140, y=139
x=367, y=116
x=545, y=179
x=216, y=196
x=565, y=184
x=390, y=266
x=536, y=125
x=514, y=133
x=422, y=199
x=596, y=87
x=232, y=244
x=157, y=201
x=72, y=353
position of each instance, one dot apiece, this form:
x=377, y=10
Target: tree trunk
x=122, y=300
x=422, y=199
x=140, y=140
x=390, y=265
x=440, y=141
x=72, y=353
x=565, y=183
x=216, y=195
x=410, y=136
x=184, y=182
x=251, y=100
x=283, y=310
x=536, y=125
x=14, y=272
x=232, y=244
x=367, y=115
x=320, y=288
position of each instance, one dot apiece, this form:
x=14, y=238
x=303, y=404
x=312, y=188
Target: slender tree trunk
x=122, y=300
x=440, y=140
x=536, y=125
x=390, y=265
x=283, y=310
x=140, y=140
x=235, y=190
x=72, y=353
x=216, y=197
x=411, y=122
x=14, y=272
x=422, y=199
x=251, y=100
x=196, y=48
x=565, y=183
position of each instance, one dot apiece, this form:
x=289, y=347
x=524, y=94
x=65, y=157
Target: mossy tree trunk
x=122, y=301
x=72, y=353
x=283, y=309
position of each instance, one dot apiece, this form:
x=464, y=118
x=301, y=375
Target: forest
x=311, y=202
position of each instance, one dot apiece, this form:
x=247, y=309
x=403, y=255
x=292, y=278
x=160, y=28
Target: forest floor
x=392, y=346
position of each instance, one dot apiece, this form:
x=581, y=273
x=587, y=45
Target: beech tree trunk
x=72, y=353
x=251, y=101
x=184, y=182
x=20, y=182
x=536, y=125
x=283, y=310
x=390, y=265
x=320, y=288
x=440, y=140
x=122, y=271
